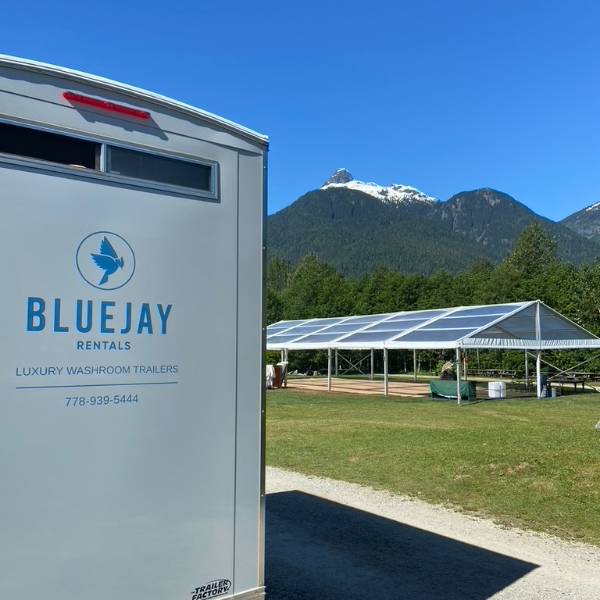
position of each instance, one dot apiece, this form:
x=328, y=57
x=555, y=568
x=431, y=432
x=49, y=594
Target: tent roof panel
x=491, y=309
x=490, y=326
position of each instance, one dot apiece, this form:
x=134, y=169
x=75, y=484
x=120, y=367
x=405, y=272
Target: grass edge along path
x=533, y=464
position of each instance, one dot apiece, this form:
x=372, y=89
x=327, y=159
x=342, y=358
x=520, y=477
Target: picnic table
x=574, y=380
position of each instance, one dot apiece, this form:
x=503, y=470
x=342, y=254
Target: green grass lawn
x=530, y=463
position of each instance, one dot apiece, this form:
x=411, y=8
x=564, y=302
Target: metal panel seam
x=237, y=364
x=263, y=391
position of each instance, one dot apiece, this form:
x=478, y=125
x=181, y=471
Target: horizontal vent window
x=133, y=167
x=51, y=147
x=150, y=167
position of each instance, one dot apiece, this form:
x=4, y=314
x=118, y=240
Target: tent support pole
x=526, y=370
x=458, y=358
x=329, y=369
x=385, y=372
x=538, y=373
x=372, y=364
x=415, y=365
x=337, y=363
x=547, y=362
x=538, y=361
x=285, y=370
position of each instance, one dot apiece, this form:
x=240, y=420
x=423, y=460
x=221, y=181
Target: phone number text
x=115, y=399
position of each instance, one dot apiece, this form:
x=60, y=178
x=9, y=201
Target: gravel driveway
x=332, y=540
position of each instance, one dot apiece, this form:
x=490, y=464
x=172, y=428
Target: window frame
x=105, y=164
x=101, y=173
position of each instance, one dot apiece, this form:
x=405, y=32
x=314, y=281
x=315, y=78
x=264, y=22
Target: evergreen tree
x=316, y=290
x=534, y=251
x=274, y=307
x=278, y=274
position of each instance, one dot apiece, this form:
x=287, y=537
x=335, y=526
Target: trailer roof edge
x=33, y=65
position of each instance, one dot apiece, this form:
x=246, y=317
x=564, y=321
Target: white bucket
x=496, y=389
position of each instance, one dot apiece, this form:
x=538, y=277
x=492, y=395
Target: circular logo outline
x=105, y=289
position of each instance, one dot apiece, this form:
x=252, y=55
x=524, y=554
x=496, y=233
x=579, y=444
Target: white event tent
x=529, y=326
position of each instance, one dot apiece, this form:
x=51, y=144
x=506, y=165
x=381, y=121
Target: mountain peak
x=339, y=176
x=487, y=195
x=392, y=194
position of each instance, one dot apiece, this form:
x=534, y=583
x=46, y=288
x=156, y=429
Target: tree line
x=531, y=271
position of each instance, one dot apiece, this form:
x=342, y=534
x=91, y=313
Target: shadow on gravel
x=316, y=549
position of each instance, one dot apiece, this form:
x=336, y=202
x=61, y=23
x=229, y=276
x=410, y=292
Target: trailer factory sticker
x=212, y=589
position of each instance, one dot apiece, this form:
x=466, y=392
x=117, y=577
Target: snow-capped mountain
x=356, y=227
x=394, y=194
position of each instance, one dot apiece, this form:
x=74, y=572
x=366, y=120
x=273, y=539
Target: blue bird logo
x=107, y=260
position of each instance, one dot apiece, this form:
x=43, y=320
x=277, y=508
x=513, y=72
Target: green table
x=447, y=388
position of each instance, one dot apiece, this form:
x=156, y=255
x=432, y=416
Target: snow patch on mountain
x=395, y=194
x=593, y=207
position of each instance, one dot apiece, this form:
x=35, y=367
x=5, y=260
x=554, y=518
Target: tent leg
x=285, y=370
x=458, y=398
x=526, y=370
x=538, y=374
x=337, y=364
x=538, y=358
x=415, y=365
x=372, y=364
x=385, y=372
x=329, y=369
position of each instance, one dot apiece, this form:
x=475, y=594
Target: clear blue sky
x=444, y=95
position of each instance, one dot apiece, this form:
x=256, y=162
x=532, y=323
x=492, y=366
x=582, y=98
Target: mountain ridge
x=356, y=227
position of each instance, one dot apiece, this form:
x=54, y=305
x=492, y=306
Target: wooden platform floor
x=401, y=389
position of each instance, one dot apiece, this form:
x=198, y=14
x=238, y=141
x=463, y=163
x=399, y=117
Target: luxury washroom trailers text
x=131, y=343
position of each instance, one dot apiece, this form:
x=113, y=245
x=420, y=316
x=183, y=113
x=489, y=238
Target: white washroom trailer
x=131, y=383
